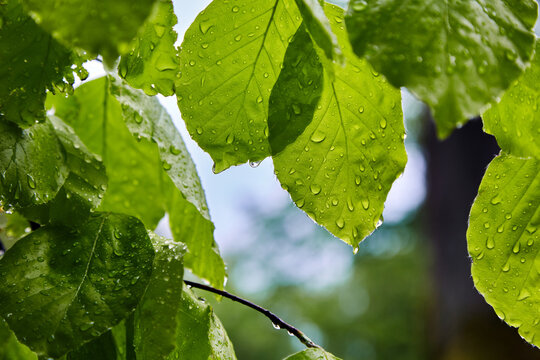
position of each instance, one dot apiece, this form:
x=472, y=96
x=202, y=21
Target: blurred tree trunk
x=463, y=326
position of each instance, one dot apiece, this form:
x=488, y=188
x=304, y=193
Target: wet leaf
x=10, y=347
x=457, y=56
x=504, y=242
x=61, y=288
x=32, y=164
x=515, y=120
x=312, y=354
x=97, y=26
x=155, y=327
x=200, y=334
x=153, y=63
x=31, y=62
x=319, y=27
x=339, y=171
x=83, y=189
x=230, y=59
x=145, y=155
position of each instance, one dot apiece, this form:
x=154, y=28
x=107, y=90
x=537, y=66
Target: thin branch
x=276, y=321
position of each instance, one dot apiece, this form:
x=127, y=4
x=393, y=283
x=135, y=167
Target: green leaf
x=102, y=348
x=98, y=26
x=319, y=27
x=197, y=232
x=31, y=62
x=61, y=288
x=146, y=118
x=230, y=60
x=515, y=120
x=312, y=354
x=504, y=242
x=32, y=164
x=339, y=171
x=200, y=334
x=297, y=92
x=10, y=348
x=12, y=228
x=144, y=160
x=457, y=56
x=83, y=188
x=153, y=63
x=155, y=327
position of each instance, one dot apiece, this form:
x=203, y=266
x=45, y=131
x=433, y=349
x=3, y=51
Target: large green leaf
x=155, y=323
x=146, y=118
x=10, y=348
x=102, y=348
x=504, y=242
x=32, y=164
x=145, y=155
x=153, y=63
x=515, y=120
x=312, y=354
x=297, y=92
x=339, y=171
x=319, y=27
x=98, y=26
x=83, y=189
x=231, y=58
x=200, y=334
x=61, y=288
x=31, y=61
x=457, y=56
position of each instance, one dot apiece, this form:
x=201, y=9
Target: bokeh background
x=406, y=295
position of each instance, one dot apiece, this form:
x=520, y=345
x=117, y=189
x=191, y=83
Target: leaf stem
x=276, y=321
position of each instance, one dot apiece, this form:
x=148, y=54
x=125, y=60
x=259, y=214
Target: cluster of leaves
x=315, y=88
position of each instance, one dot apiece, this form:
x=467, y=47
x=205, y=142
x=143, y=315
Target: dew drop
x=315, y=189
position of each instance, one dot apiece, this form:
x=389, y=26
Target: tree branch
x=276, y=321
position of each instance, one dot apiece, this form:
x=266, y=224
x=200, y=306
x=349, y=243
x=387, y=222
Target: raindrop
x=315, y=189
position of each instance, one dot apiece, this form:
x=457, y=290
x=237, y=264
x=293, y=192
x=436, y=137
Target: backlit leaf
x=312, y=354
x=339, y=171
x=10, y=347
x=504, y=242
x=319, y=27
x=153, y=63
x=32, y=164
x=98, y=26
x=155, y=323
x=145, y=155
x=200, y=334
x=31, y=62
x=515, y=120
x=457, y=56
x=83, y=189
x=61, y=288
x=230, y=59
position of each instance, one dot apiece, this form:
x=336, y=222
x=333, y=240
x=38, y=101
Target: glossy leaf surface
x=97, y=26
x=145, y=155
x=155, y=323
x=319, y=27
x=504, y=242
x=32, y=164
x=312, y=354
x=10, y=347
x=457, y=56
x=83, y=189
x=230, y=59
x=200, y=334
x=339, y=171
x=515, y=120
x=61, y=288
x=31, y=62
x=153, y=64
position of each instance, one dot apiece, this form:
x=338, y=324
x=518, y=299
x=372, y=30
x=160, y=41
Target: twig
x=276, y=321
